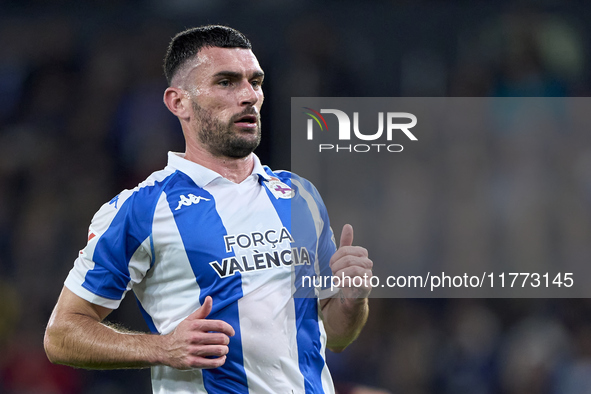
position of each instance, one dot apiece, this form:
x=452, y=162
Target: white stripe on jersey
x=267, y=302
x=169, y=293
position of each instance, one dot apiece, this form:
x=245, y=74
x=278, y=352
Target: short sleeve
x=325, y=243
x=118, y=253
x=326, y=248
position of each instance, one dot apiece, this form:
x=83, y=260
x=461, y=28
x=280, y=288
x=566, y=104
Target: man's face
x=225, y=87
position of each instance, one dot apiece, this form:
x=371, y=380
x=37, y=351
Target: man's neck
x=233, y=169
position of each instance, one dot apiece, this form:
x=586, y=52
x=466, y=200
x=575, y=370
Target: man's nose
x=248, y=94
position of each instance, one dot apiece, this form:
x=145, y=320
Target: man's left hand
x=350, y=262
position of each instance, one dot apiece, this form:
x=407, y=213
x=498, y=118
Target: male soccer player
x=213, y=246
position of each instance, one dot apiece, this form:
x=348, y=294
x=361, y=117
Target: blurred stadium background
x=81, y=118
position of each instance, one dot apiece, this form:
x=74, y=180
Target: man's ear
x=177, y=102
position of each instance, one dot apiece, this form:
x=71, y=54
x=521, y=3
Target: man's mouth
x=247, y=121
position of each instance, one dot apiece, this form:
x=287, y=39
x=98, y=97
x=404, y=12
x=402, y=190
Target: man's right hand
x=76, y=336
x=198, y=342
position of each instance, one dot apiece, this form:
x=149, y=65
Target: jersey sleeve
x=118, y=253
x=325, y=246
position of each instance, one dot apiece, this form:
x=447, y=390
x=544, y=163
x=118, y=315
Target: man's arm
x=345, y=314
x=77, y=337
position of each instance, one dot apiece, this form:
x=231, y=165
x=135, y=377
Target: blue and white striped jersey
x=186, y=233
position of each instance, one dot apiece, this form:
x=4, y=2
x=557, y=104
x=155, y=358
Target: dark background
x=81, y=117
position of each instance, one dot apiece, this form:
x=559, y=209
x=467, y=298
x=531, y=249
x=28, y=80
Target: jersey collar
x=202, y=176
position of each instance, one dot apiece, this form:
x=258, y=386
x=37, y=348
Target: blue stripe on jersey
x=327, y=247
x=296, y=217
x=309, y=346
x=202, y=231
x=147, y=318
x=110, y=275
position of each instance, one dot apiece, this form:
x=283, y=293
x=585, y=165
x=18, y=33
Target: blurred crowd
x=81, y=118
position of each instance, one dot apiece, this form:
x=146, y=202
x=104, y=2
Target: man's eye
x=256, y=84
x=225, y=82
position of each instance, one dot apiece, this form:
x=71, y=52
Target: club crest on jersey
x=192, y=199
x=279, y=189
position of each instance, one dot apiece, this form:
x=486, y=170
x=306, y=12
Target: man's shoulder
x=286, y=176
x=142, y=196
x=153, y=184
x=297, y=182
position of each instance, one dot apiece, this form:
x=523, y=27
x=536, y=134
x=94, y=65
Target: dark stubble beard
x=221, y=139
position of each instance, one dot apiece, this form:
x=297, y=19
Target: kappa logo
x=114, y=201
x=192, y=199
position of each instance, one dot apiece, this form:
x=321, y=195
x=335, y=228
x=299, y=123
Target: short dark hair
x=187, y=44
